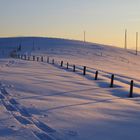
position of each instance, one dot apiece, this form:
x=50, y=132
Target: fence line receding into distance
x=78, y=68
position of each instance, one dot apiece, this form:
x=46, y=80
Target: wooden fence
x=81, y=69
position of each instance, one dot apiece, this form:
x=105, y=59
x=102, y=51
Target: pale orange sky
x=104, y=21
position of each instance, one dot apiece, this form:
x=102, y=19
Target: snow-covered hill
x=47, y=102
x=110, y=59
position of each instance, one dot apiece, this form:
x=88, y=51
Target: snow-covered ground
x=41, y=101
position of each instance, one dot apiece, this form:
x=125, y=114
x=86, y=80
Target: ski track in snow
x=38, y=128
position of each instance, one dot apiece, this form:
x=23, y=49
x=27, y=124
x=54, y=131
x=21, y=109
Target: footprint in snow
x=14, y=128
x=10, y=86
x=71, y=133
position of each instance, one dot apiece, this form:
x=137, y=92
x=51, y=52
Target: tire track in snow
x=20, y=113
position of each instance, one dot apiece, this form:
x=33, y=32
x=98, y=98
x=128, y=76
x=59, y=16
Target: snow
x=41, y=101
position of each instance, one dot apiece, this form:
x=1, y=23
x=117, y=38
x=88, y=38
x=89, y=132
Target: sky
x=103, y=20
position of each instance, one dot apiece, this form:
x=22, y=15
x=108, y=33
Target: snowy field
x=41, y=101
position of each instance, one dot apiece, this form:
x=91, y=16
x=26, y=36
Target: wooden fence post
x=67, y=65
x=47, y=59
x=61, y=63
x=28, y=58
x=112, y=81
x=42, y=59
x=73, y=68
x=24, y=57
x=84, y=70
x=96, y=75
x=33, y=58
x=53, y=61
x=131, y=89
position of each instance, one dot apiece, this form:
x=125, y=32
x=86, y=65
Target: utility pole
x=137, y=43
x=84, y=38
x=125, y=42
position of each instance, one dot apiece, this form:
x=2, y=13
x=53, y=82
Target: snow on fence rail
x=82, y=69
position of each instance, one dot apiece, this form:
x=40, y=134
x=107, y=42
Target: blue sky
x=103, y=20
